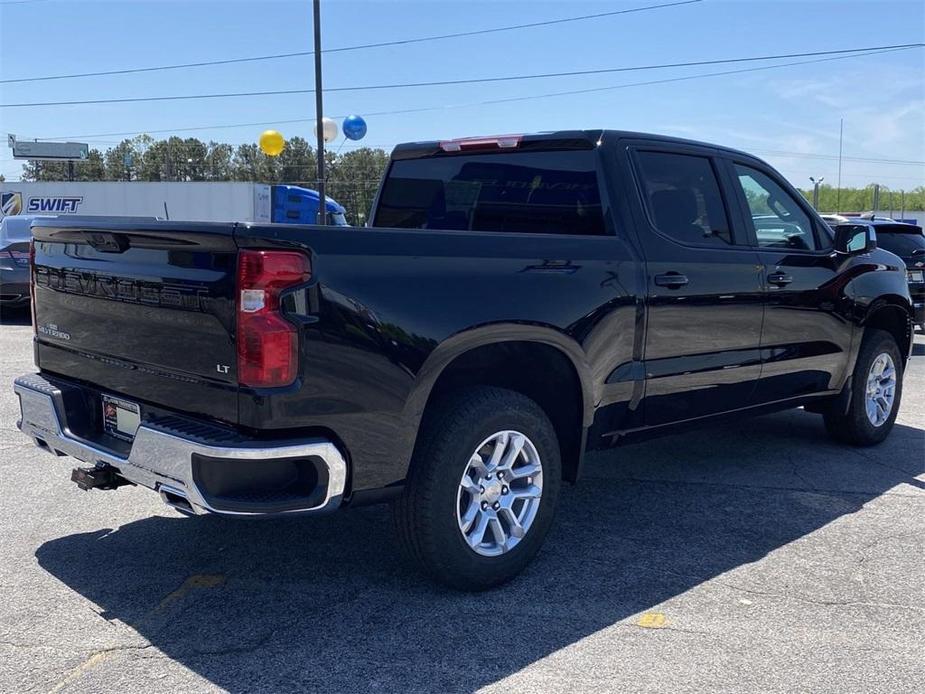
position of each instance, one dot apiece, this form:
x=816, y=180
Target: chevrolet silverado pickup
x=514, y=303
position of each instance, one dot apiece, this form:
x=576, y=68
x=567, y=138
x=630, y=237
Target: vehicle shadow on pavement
x=325, y=603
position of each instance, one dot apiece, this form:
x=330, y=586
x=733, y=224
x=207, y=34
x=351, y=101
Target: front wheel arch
x=892, y=315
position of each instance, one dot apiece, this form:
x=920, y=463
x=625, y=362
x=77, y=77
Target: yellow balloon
x=271, y=143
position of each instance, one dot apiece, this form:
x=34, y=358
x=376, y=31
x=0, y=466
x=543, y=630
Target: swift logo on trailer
x=10, y=203
x=62, y=204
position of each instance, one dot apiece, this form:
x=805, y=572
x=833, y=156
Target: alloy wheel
x=499, y=493
x=881, y=389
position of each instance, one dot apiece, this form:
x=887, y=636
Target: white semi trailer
x=195, y=201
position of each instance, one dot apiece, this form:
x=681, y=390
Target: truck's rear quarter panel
x=383, y=300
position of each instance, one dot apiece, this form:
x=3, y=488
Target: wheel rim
x=881, y=389
x=499, y=493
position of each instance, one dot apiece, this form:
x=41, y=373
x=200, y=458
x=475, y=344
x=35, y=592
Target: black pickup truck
x=515, y=302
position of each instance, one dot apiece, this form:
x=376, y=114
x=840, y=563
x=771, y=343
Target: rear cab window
x=544, y=192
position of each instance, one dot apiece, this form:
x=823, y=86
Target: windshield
x=904, y=245
x=534, y=192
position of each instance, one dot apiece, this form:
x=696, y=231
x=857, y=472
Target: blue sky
x=789, y=116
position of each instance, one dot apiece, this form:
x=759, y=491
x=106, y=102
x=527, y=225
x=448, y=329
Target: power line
x=482, y=80
x=471, y=104
x=833, y=157
x=668, y=80
x=381, y=44
x=847, y=174
x=635, y=68
x=194, y=128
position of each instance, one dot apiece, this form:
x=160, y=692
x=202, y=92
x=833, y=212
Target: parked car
x=517, y=302
x=908, y=242
x=15, y=238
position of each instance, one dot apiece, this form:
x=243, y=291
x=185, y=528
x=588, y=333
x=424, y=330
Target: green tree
x=297, y=161
x=116, y=159
x=862, y=199
x=246, y=163
x=218, y=162
x=152, y=163
x=353, y=179
x=91, y=169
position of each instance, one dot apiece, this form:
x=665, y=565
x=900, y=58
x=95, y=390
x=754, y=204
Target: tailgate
x=144, y=309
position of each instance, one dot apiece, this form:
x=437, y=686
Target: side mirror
x=855, y=238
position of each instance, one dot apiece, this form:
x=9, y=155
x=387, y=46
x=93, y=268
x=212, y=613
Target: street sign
x=53, y=151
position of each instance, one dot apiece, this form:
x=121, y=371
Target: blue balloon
x=354, y=128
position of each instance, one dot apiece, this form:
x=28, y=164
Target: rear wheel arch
x=545, y=366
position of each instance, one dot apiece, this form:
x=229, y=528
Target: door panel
x=805, y=342
x=702, y=340
x=704, y=293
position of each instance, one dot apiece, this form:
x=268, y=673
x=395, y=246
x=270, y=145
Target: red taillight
x=470, y=143
x=267, y=343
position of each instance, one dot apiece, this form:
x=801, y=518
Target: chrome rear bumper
x=161, y=457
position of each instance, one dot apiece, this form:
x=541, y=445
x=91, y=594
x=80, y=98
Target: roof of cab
x=560, y=139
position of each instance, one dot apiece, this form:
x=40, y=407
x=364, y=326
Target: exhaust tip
x=176, y=500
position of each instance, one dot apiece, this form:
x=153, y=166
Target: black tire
x=425, y=515
x=854, y=426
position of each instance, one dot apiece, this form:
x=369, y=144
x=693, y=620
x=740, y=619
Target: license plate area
x=916, y=276
x=121, y=418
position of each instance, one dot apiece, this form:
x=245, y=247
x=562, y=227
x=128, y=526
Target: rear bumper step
x=240, y=477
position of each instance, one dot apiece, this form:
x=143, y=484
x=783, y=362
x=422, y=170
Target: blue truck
x=297, y=205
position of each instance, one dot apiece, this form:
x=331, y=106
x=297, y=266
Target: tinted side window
x=535, y=192
x=779, y=220
x=683, y=198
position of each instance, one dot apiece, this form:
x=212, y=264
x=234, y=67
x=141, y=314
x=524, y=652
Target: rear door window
x=533, y=192
x=683, y=198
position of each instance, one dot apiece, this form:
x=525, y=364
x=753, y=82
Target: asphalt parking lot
x=755, y=557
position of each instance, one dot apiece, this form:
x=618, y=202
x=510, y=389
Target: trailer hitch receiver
x=98, y=477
